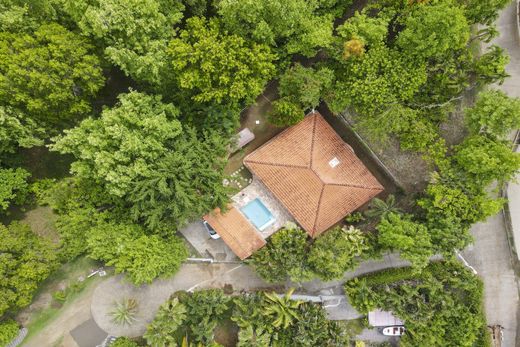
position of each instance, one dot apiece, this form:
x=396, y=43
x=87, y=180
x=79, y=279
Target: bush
x=8, y=331
x=285, y=113
x=13, y=187
x=124, y=342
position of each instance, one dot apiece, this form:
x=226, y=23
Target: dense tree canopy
x=290, y=26
x=25, y=261
x=13, y=187
x=50, y=75
x=141, y=257
x=134, y=33
x=213, y=65
x=17, y=130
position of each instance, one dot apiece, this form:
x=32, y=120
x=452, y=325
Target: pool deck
x=258, y=190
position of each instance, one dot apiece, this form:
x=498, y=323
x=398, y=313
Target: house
x=310, y=172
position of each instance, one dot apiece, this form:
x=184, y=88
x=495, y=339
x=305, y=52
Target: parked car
x=212, y=233
x=394, y=331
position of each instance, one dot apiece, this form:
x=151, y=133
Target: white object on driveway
x=394, y=331
x=212, y=233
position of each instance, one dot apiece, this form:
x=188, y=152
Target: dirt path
x=57, y=330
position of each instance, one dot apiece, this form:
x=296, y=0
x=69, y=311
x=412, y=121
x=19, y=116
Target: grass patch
x=45, y=307
x=354, y=327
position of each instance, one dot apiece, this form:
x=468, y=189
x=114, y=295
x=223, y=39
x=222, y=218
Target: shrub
x=8, y=331
x=124, y=311
x=124, y=342
x=285, y=113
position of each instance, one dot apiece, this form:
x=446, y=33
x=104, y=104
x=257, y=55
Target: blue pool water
x=258, y=214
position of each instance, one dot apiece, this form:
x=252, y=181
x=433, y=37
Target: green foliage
x=381, y=208
x=371, y=31
x=285, y=113
x=379, y=78
x=282, y=310
x=16, y=130
x=485, y=160
x=134, y=33
x=8, y=331
x=50, y=75
x=336, y=252
x=204, y=309
x=63, y=294
x=442, y=306
x=125, y=311
x=447, y=22
x=143, y=258
x=213, y=65
x=25, y=261
x=73, y=229
x=123, y=342
x=120, y=147
x=411, y=239
x=250, y=337
x=305, y=86
x=184, y=184
x=290, y=26
x=283, y=257
x=13, y=187
x=483, y=11
x=161, y=332
x=494, y=113
x=491, y=66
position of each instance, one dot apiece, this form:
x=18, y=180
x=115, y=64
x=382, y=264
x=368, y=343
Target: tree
x=8, y=331
x=491, y=66
x=285, y=113
x=282, y=310
x=13, y=187
x=183, y=184
x=124, y=342
x=371, y=83
x=18, y=16
x=410, y=238
x=433, y=30
x=483, y=11
x=204, y=309
x=73, y=229
x=17, y=130
x=25, y=261
x=494, y=113
x=127, y=24
x=442, y=306
x=335, y=252
x=382, y=208
x=213, y=65
x=369, y=31
x=143, y=258
x=284, y=256
x=120, y=147
x=50, y=75
x=305, y=86
x=485, y=160
x=161, y=332
x=134, y=33
x=290, y=26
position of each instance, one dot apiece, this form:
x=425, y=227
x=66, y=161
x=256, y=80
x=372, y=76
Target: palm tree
x=124, y=312
x=282, y=308
x=380, y=209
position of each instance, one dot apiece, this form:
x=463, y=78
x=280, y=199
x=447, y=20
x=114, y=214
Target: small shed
x=244, y=137
x=379, y=318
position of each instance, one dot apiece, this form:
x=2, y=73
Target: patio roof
x=314, y=174
x=236, y=231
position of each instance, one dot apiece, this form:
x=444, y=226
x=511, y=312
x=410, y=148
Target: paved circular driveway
x=150, y=297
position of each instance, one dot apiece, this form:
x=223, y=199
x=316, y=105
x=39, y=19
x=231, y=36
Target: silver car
x=212, y=233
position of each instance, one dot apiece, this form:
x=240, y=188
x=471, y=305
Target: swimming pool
x=258, y=214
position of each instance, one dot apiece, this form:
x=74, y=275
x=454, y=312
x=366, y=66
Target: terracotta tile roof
x=298, y=167
x=236, y=231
